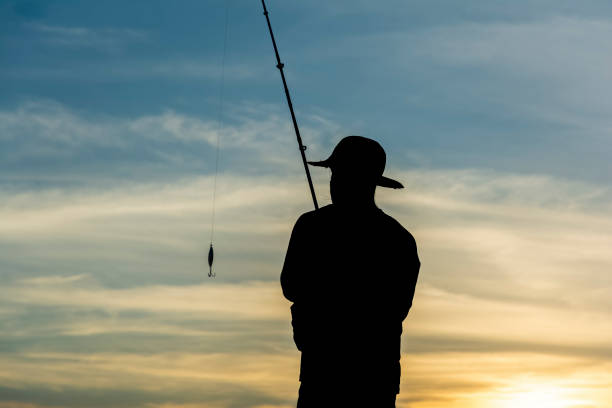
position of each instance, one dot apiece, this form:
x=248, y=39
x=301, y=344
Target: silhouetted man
x=350, y=271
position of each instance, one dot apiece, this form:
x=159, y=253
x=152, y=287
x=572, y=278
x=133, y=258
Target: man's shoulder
x=324, y=217
x=308, y=221
x=313, y=215
x=397, y=228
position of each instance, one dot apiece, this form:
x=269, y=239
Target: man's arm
x=409, y=276
x=293, y=276
x=292, y=271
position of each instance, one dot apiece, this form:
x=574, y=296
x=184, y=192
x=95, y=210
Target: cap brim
x=389, y=183
x=382, y=181
x=322, y=163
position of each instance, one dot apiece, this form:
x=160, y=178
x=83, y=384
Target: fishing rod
x=302, y=148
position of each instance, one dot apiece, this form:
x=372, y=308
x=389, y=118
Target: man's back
x=351, y=275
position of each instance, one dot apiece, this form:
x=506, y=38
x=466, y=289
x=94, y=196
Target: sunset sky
x=496, y=116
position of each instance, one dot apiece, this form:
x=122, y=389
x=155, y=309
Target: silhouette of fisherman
x=350, y=271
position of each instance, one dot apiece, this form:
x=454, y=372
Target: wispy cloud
x=514, y=93
x=127, y=69
x=495, y=299
x=108, y=39
x=45, y=135
x=525, y=242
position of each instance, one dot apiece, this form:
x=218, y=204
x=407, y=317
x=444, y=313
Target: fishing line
x=220, y=128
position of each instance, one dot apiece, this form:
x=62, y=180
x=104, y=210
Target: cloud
x=560, y=60
x=212, y=395
x=439, y=12
x=508, y=240
x=566, y=56
x=172, y=69
x=46, y=141
x=522, y=93
x=108, y=39
x=221, y=301
x=106, y=289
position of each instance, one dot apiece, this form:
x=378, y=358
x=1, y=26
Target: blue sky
x=516, y=87
x=496, y=116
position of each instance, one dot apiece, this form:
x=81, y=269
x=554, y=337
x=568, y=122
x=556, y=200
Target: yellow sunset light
x=538, y=397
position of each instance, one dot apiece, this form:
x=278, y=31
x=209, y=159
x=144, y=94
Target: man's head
x=357, y=164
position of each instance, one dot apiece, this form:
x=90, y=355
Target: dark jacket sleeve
x=410, y=275
x=293, y=272
x=293, y=278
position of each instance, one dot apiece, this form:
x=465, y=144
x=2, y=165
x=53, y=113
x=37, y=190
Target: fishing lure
x=211, y=257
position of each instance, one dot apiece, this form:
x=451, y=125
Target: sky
x=496, y=117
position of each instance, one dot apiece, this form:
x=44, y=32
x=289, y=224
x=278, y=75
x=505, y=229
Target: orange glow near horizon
x=501, y=318
x=539, y=396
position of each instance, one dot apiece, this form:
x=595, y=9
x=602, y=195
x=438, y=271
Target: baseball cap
x=362, y=156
